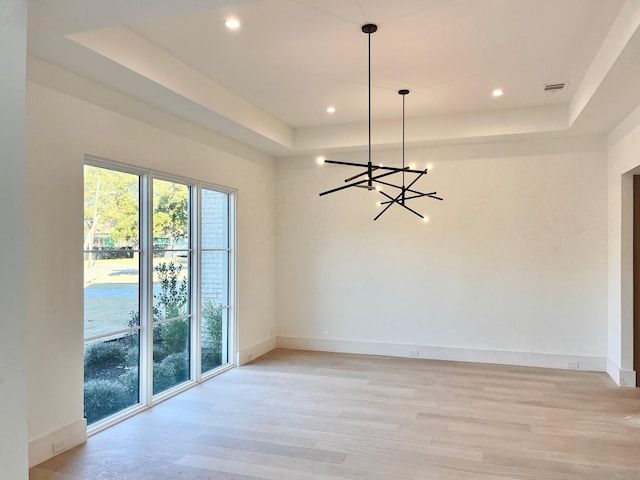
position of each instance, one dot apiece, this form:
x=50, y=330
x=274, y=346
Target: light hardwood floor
x=308, y=415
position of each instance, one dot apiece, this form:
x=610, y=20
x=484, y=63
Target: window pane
x=171, y=354
x=214, y=339
x=215, y=219
x=110, y=295
x=111, y=209
x=111, y=372
x=215, y=279
x=171, y=286
x=170, y=215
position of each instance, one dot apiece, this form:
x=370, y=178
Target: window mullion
x=232, y=279
x=146, y=286
x=196, y=276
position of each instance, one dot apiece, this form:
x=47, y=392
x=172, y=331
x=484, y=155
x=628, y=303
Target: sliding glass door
x=158, y=275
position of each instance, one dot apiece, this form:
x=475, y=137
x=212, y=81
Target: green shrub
x=158, y=334
x=164, y=376
x=171, y=371
x=132, y=358
x=103, y=398
x=130, y=381
x=173, y=292
x=104, y=355
x=159, y=353
x=211, y=358
x=176, y=336
x=180, y=364
x=213, y=327
x=212, y=338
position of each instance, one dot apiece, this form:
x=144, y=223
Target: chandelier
x=378, y=177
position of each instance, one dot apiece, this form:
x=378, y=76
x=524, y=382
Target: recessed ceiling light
x=331, y=109
x=232, y=23
x=497, y=92
x=320, y=160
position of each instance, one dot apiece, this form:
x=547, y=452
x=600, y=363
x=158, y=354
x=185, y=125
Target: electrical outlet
x=414, y=353
x=573, y=364
x=58, y=446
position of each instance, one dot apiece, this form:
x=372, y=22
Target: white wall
x=60, y=131
x=13, y=391
x=624, y=160
x=510, y=269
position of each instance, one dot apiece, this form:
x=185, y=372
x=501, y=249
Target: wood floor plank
x=311, y=415
x=316, y=454
x=40, y=474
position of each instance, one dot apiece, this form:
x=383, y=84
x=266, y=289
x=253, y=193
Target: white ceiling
x=268, y=84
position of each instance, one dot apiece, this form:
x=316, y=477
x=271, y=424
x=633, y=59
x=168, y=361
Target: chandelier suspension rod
x=403, y=92
x=370, y=183
x=403, y=189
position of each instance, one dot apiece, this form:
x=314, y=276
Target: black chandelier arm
x=359, y=182
x=376, y=167
x=388, y=184
x=405, y=169
x=430, y=195
x=406, y=189
x=344, y=187
x=348, y=164
x=351, y=179
x=417, y=193
x=392, y=170
x=418, y=177
x=392, y=201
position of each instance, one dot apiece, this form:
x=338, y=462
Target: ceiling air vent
x=554, y=87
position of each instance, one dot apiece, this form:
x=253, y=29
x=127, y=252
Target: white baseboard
x=249, y=354
x=623, y=378
x=42, y=448
x=502, y=357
